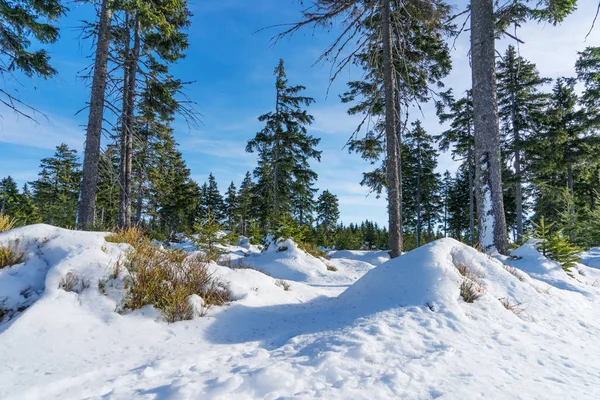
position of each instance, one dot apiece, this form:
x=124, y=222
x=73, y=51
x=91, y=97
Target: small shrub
x=3, y=310
x=470, y=290
x=166, y=279
x=514, y=307
x=6, y=223
x=331, y=268
x=208, y=238
x=240, y=264
x=102, y=286
x=11, y=254
x=281, y=249
x=283, y=284
x=132, y=235
x=312, y=249
x=462, y=269
x=515, y=272
x=73, y=282
x=556, y=246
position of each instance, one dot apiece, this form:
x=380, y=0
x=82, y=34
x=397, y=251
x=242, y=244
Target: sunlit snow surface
x=370, y=330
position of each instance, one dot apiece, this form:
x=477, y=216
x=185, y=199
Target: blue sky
x=231, y=65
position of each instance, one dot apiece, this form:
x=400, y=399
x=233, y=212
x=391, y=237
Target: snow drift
x=397, y=330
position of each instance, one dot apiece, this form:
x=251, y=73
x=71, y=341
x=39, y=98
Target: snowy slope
x=401, y=331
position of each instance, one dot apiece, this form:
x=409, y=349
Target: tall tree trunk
x=89, y=182
x=128, y=125
x=393, y=157
x=518, y=191
x=488, y=176
x=518, y=184
x=570, y=186
x=419, y=207
x=471, y=199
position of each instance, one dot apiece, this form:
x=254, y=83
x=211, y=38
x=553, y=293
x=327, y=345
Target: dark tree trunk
x=89, y=182
x=393, y=156
x=488, y=177
x=419, y=207
x=471, y=199
x=128, y=127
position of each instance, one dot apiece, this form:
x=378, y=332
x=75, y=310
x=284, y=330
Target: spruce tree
x=561, y=154
x=246, y=203
x=461, y=138
x=328, y=211
x=214, y=200
x=9, y=197
x=231, y=206
x=521, y=109
x=284, y=148
x=57, y=188
x=23, y=23
x=421, y=206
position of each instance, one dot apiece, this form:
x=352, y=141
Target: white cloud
x=47, y=133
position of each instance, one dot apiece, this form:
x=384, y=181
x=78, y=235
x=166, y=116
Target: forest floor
x=355, y=326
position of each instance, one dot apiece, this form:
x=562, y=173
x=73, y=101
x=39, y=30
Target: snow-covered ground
x=370, y=329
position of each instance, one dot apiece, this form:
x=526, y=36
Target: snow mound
x=372, y=257
x=429, y=277
x=285, y=260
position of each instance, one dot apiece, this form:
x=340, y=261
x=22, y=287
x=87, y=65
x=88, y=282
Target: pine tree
x=461, y=137
x=26, y=211
x=562, y=153
x=328, y=211
x=416, y=29
x=9, y=197
x=214, y=200
x=521, y=109
x=246, y=203
x=284, y=149
x=57, y=188
x=422, y=203
x=231, y=206
x=22, y=21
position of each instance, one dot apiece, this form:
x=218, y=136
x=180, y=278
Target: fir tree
x=231, y=206
x=461, y=138
x=421, y=205
x=9, y=197
x=22, y=21
x=214, y=200
x=57, y=188
x=284, y=149
x=328, y=211
x=521, y=107
x=246, y=203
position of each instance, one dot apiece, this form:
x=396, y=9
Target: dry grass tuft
x=166, y=279
x=11, y=254
x=283, y=284
x=312, y=249
x=514, y=307
x=133, y=236
x=331, y=268
x=515, y=272
x=470, y=290
x=73, y=282
x=240, y=264
x=6, y=223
